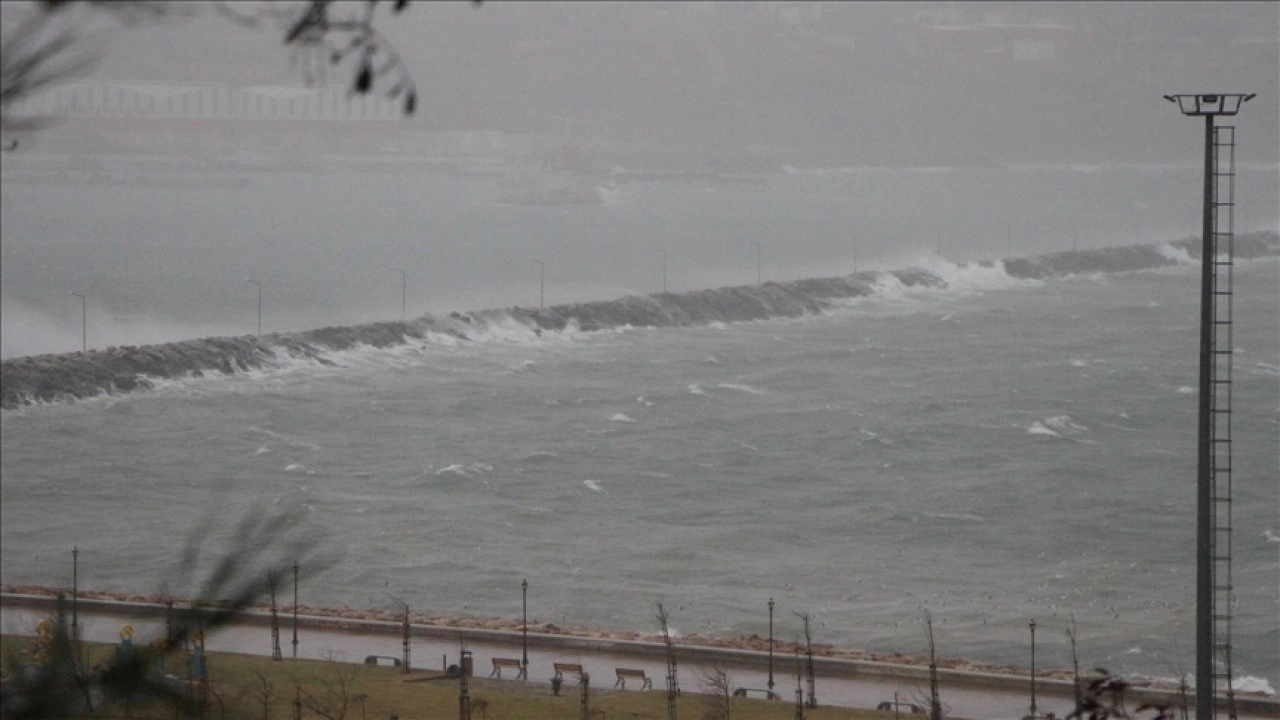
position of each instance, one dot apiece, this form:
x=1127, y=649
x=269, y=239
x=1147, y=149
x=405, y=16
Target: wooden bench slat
x=499, y=663
x=624, y=673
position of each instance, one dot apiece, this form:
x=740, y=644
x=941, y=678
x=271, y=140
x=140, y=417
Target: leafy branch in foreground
x=58, y=683
x=1103, y=698
x=40, y=50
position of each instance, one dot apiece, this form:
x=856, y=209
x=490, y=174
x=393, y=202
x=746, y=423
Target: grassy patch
x=256, y=688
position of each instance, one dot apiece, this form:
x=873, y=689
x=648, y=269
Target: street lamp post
x=770, y=643
x=664, y=270
x=759, y=252
x=258, y=285
x=1208, y=106
x=84, y=323
x=295, y=609
x=542, y=276
x=1033, y=670
x=404, y=292
x=524, y=625
x=75, y=591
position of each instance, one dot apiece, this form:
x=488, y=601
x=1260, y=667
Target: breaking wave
x=114, y=370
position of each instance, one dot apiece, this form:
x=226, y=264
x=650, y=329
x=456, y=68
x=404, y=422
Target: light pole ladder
x=1223, y=262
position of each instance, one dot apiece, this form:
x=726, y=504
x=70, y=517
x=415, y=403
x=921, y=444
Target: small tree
x=673, y=682
x=261, y=693
x=718, y=686
x=336, y=694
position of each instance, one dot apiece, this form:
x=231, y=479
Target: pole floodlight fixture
x=1210, y=103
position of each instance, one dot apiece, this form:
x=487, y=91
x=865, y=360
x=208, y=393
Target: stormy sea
x=954, y=431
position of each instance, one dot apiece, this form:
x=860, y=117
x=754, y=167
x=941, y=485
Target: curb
x=838, y=667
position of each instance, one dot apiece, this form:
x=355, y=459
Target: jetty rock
x=114, y=370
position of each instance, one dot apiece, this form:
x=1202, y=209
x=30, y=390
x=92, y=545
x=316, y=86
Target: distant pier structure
x=95, y=99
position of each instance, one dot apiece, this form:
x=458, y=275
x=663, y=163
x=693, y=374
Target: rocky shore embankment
x=70, y=376
x=746, y=642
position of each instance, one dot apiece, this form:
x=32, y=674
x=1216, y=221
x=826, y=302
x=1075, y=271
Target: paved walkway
x=836, y=685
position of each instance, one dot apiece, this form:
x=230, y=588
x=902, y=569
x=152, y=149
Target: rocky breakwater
x=1134, y=257
x=49, y=378
x=70, y=376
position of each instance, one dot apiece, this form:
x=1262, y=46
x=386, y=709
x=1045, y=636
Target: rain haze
x=993, y=416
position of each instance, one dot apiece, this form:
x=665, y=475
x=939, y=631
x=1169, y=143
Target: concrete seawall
x=688, y=654
x=70, y=376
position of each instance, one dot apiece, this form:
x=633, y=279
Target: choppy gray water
x=995, y=452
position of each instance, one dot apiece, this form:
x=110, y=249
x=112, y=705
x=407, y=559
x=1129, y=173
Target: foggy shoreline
x=32, y=380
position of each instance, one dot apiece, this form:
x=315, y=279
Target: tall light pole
x=75, y=591
x=1034, y=714
x=295, y=609
x=1207, y=106
x=664, y=270
x=542, y=276
x=770, y=643
x=258, y=285
x=524, y=625
x=759, y=253
x=84, y=323
x=404, y=292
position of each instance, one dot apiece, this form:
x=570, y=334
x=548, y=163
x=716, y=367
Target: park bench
x=756, y=693
x=898, y=705
x=377, y=660
x=624, y=673
x=499, y=663
x=562, y=668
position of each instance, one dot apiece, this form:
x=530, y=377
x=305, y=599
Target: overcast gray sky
x=826, y=83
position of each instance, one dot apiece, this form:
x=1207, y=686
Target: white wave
x=953, y=516
x=741, y=388
x=1176, y=254
x=455, y=469
x=620, y=417
x=1241, y=683
x=711, y=360
x=1270, y=536
x=1038, y=428
x=297, y=467
x=1057, y=426
x=1184, y=390
x=262, y=450
x=695, y=389
x=1250, y=683
x=970, y=277
x=1079, y=363
x=592, y=485
x=642, y=401
x=887, y=285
